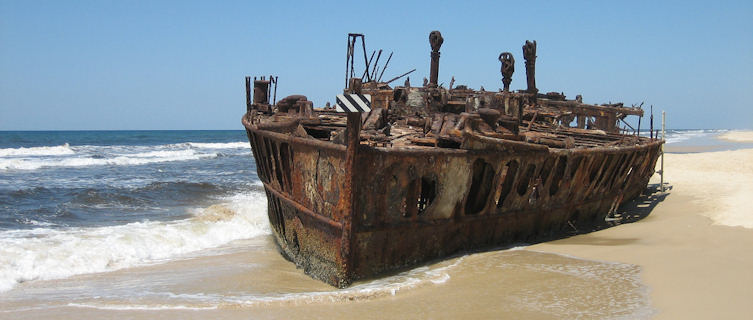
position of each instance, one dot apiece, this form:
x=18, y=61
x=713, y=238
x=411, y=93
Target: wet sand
x=677, y=259
x=696, y=264
x=259, y=284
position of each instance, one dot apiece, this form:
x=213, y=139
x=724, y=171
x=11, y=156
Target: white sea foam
x=388, y=286
x=37, y=151
x=621, y=294
x=45, y=253
x=127, y=307
x=421, y=276
x=120, y=155
x=227, y=145
x=120, y=160
x=677, y=136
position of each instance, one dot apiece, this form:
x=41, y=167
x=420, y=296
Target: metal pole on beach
x=663, y=118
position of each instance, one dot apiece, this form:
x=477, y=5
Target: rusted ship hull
x=430, y=172
x=397, y=208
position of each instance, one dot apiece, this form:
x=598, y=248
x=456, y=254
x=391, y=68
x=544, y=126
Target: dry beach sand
x=689, y=257
x=738, y=136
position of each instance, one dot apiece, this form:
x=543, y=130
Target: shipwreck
x=416, y=173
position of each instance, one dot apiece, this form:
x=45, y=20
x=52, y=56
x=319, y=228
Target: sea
x=176, y=220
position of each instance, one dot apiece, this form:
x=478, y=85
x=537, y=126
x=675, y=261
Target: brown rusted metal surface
x=507, y=69
x=432, y=171
x=529, y=53
x=436, y=40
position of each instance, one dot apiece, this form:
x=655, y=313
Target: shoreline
x=726, y=141
x=673, y=257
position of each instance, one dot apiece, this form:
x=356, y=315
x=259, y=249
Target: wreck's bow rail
x=430, y=171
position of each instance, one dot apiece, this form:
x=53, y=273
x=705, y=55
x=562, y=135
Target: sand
x=696, y=246
x=738, y=136
x=689, y=258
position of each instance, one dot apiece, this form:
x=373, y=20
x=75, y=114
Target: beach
x=684, y=253
x=694, y=252
x=206, y=160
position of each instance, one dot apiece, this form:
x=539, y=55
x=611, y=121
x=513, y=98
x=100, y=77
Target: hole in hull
x=483, y=174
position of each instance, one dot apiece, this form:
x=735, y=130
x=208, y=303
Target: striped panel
x=353, y=103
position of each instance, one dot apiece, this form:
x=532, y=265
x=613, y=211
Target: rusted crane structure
x=431, y=171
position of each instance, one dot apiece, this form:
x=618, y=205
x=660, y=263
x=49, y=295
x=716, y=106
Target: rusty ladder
x=661, y=168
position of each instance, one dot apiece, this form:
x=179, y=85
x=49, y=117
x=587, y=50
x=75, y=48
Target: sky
x=150, y=65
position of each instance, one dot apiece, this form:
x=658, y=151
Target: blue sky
x=80, y=65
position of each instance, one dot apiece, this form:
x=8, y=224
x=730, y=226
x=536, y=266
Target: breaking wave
x=99, y=160
x=47, y=253
x=37, y=151
x=34, y=158
x=227, y=145
x=135, y=159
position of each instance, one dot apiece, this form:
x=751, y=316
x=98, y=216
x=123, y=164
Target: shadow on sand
x=629, y=212
x=638, y=208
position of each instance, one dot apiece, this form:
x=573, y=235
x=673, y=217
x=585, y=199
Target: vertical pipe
x=651, y=126
x=248, y=94
x=269, y=88
x=274, y=101
x=366, y=61
x=347, y=60
x=529, y=54
x=639, y=125
x=435, y=40
x=352, y=58
x=434, y=71
x=663, y=116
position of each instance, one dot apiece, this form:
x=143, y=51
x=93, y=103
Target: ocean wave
x=33, y=222
x=105, y=198
x=220, y=145
x=676, y=136
x=64, y=149
x=106, y=206
x=120, y=160
x=47, y=253
x=185, y=187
